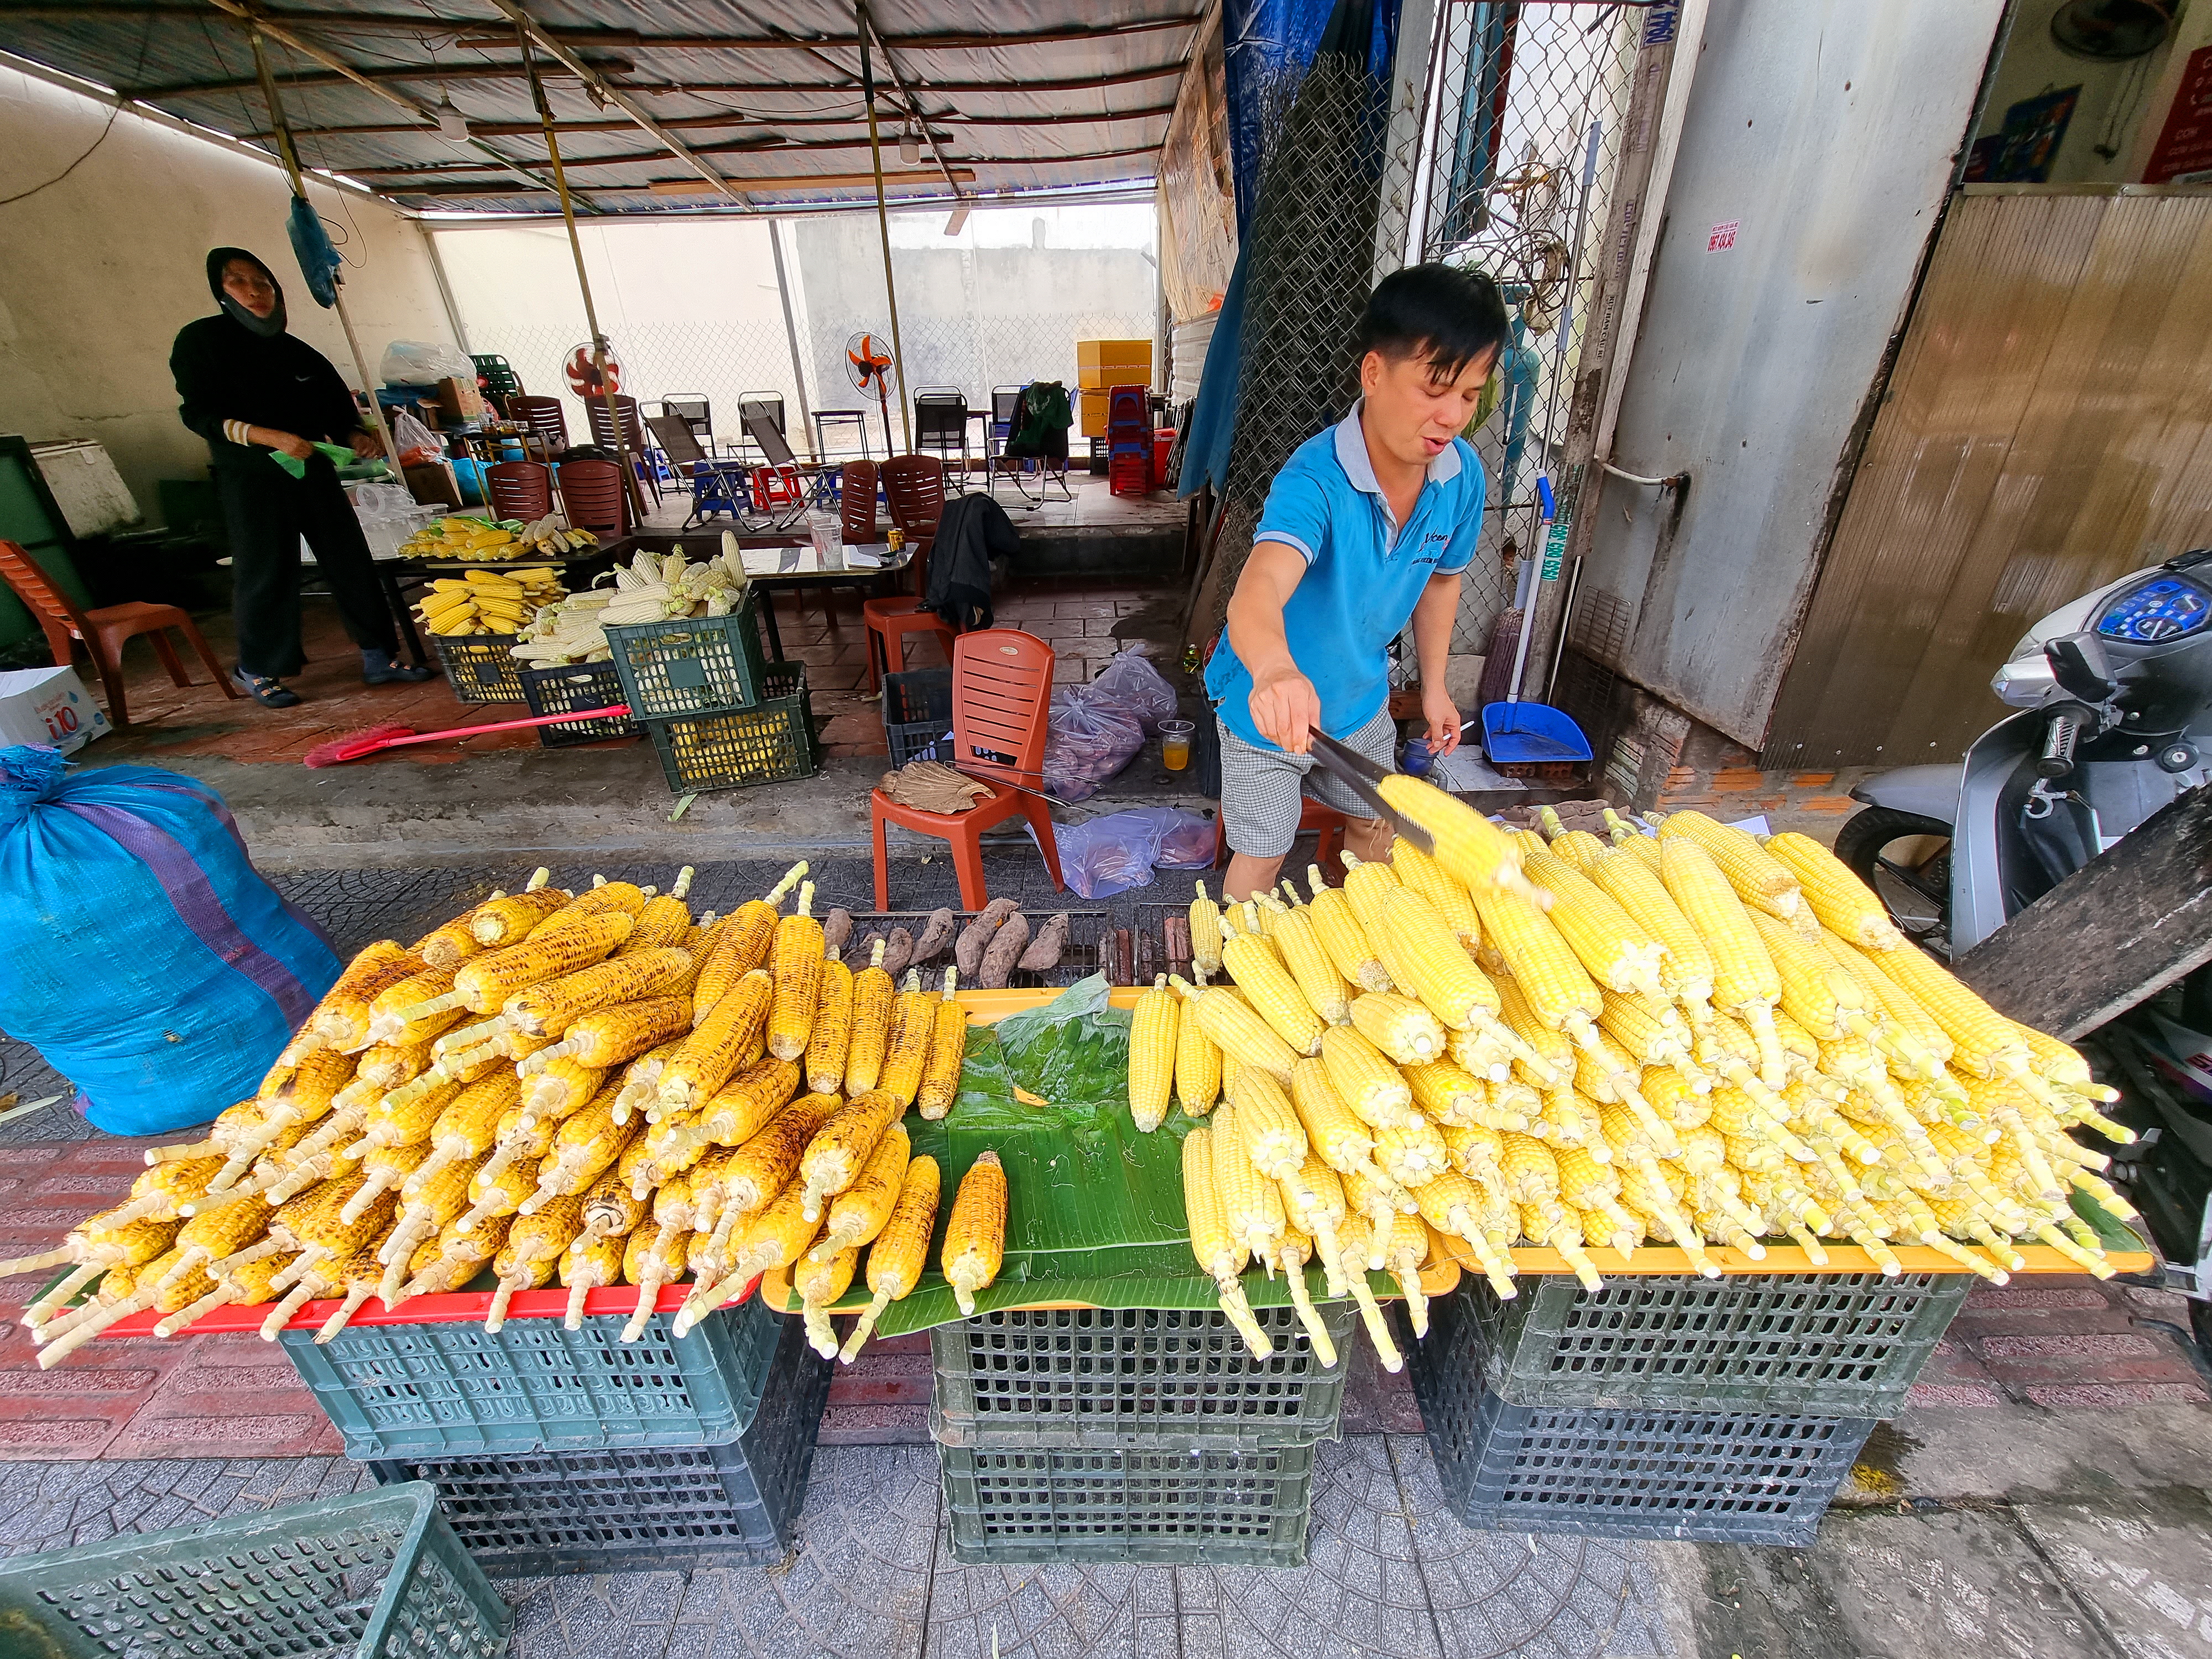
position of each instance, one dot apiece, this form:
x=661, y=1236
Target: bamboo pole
x=290, y=155
x=883, y=226
x=636, y=495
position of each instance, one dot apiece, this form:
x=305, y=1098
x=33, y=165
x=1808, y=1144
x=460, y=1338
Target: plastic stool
x=1325, y=820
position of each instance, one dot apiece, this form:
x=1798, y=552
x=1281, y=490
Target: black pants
x=268, y=511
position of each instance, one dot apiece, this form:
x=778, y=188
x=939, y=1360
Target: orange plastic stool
x=1326, y=821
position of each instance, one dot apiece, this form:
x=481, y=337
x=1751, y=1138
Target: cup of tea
x=1174, y=744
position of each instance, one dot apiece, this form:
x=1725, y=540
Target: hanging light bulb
x=909, y=145
x=453, y=125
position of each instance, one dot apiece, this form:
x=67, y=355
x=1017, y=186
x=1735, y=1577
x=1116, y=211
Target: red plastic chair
x=104, y=630
x=856, y=503
x=1001, y=696
x=592, y=494
x=521, y=489
x=914, y=486
x=1325, y=820
x=542, y=421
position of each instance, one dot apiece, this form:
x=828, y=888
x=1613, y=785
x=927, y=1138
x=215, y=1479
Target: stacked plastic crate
x=1147, y=1435
x=1723, y=1411
x=555, y=1450
x=719, y=714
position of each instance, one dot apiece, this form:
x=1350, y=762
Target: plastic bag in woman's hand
x=418, y=445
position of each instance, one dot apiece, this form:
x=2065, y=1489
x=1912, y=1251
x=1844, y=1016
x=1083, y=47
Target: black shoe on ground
x=378, y=668
x=263, y=689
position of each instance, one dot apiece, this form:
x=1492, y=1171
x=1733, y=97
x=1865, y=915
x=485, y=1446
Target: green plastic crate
x=376, y=1575
x=1247, y=1506
x=771, y=742
x=439, y=1389
x=1834, y=1345
x=1070, y=1378
x=692, y=664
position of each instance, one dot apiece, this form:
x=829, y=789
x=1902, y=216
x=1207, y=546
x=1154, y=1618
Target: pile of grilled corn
x=593, y=1088
x=488, y=601
x=1693, y=1038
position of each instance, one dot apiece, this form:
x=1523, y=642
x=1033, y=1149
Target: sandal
x=265, y=690
x=381, y=668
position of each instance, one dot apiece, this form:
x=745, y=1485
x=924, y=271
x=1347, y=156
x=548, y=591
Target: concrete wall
x=99, y=272
x=1825, y=133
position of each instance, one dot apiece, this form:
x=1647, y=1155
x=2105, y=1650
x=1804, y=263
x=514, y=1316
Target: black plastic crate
x=481, y=667
x=694, y=665
x=1226, y=1507
x=918, y=715
x=622, y=1510
x=1701, y=1472
x=580, y=685
x=1842, y=1345
x=1149, y=1378
x=1085, y=930
x=771, y=741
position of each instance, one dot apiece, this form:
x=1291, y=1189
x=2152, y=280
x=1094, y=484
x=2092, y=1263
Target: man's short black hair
x=1448, y=316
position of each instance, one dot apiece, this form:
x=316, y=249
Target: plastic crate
x=771, y=741
x=480, y=667
x=1841, y=1344
x=581, y=685
x=1700, y=1476
x=1068, y=1378
x=375, y=1574
x=692, y=665
x=399, y=1390
x=1085, y=928
x=623, y=1510
x=918, y=715
x=1244, y=1506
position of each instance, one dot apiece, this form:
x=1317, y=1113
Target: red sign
x=1723, y=236
x=2185, y=145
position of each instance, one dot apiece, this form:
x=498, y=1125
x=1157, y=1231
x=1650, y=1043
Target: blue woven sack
x=140, y=951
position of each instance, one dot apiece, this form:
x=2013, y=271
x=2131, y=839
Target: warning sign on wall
x=2183, y=151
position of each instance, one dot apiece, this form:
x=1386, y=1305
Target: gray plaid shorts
x=1260, y=786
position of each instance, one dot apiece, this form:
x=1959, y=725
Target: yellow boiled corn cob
x=1559, y=991
x=834, y=1158
x=1292, y=1251
x=1334, y=1133
x=1474, y=850
x=1364, y=1079
x=1449, y=1094
x=1419, y=874
x=900, y=1251
x=1816, y=992
x=1256, y=966
x=1308, y=962
x=742, y=944
x=1205, y=935
x=1761, y=880
x=1401, y=1028
x=728, y=1040
x=1337, y=926
x=1220, y=1256
x=942, y=1059
x=1411, y=1152
x=1272, y=1136
x=1314, y=1203
x=1443, y=977
x=1197, y=1068
x=1367, y=890
x=1617, y=952
x=1745, y=983
x=1685, y=971
x=1241, y=1034
x=1153, y=1037
x=872, y=993
x=795, y=960
x=1455, y=1205
x=1843, y=902
x=829, y=1045
x=906, y=1051
x=1251, y=1204
x=976, y=1237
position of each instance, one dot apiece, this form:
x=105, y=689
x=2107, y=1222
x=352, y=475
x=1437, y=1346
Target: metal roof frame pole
x=791, y=336
x=883, y=226
x=583, y=280
x=290, y=156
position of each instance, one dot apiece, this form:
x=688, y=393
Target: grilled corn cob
x=584, y=1146
x=819, y=1284
x=730, y=1039
x=591, y=1262
x=906, y=1052
x=901, y=1250
x=548, y=1009
x=833, y=1159
x=742, y=944
x=941, y=1061
x=611, y=1037
x=976, y=1237
x=864, y=1209
x=508, y=920
x=872, y=994
x=828, y=1045
x=796, y=963
x=533, y=1252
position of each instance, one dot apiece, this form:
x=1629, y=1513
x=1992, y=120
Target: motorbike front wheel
x=1906, y=860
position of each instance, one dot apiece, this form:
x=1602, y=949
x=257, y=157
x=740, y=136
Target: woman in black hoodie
x=253, y=391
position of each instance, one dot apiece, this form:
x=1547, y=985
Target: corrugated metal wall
x=2045, y=431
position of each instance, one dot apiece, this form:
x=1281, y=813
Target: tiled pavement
x=871, y=1574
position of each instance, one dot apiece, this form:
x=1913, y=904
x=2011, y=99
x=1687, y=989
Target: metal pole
x=290, y=156
x=583, y=281
x=883, y=226
x=791, y=335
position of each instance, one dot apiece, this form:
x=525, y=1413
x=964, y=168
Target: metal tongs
x=1360, y=774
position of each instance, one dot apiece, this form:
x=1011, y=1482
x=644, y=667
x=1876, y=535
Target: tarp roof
x=1019, y=95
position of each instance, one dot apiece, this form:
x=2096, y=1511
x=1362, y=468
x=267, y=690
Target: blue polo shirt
x=1364, y=572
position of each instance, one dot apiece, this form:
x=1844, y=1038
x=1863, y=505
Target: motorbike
x=2113, y=692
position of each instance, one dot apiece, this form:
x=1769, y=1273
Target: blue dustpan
x=1530, y=733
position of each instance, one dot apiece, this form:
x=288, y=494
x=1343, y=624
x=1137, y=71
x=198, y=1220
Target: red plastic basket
x=455, y=1308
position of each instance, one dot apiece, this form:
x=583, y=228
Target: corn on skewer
x=1292, y=1251
x=795, y=957
x=1205, y=936
x=591, y=1262
x=818, y=1284
x=872, y=995
x=901, y=1250
x=1220, y=1256
x=975, y=1238
x=1338, y=930
x=743, y=943
x=906, y=1050
x=1358, y=1244
x=942, y=1059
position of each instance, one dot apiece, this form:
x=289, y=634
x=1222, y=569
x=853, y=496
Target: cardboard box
x=433, y=484
x=460, y=400
x=1117, y=354
x=51, y=706
x=1094, y=412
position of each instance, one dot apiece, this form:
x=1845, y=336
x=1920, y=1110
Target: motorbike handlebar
x=2057, y=758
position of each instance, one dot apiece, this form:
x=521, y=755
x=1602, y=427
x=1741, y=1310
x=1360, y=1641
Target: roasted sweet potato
x=899, y=951
x=1046, y=950
x=1004, y=952
x=968, y=954
x=936, y=935
x=836, y=928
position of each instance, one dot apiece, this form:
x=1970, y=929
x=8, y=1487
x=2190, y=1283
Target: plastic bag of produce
x=419, y=362
x=1103, y=856
x=1098, y=729
x=1131, y=682
x=141, y=953
x=418, y=445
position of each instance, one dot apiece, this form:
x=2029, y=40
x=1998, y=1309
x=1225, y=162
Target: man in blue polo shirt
x=1368, y=525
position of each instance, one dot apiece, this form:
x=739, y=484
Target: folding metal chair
x=716, y=486
x=1005, y=403
x=1050, y=461
x=767, y=404
x=779, y=489
x=940, y=428
x=694, y=410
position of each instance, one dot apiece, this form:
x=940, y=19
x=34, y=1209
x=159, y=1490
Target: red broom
x=355, y=744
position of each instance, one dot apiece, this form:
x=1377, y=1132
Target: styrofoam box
x=51, y=706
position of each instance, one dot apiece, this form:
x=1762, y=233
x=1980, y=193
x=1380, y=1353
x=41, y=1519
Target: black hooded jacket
x=226, y=371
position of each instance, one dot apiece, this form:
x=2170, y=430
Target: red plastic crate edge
x=455, y=1308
